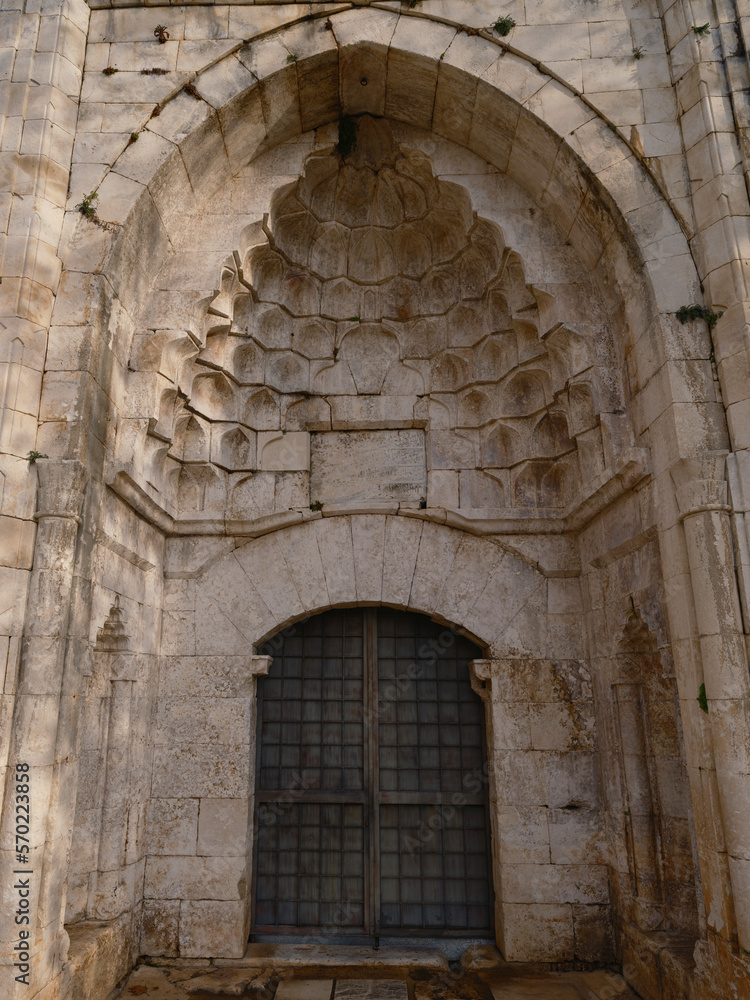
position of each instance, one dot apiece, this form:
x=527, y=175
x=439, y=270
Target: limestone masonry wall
x=329, y=304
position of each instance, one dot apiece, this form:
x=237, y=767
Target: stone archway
x=227, y=606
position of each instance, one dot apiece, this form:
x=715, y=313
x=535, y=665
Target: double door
x=371, y=794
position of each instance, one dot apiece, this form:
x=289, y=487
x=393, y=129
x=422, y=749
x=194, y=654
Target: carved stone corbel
x=480, y=675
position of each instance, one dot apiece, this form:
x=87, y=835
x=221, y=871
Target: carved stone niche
x=379, y=300
x=655, y=806
x=114, y=660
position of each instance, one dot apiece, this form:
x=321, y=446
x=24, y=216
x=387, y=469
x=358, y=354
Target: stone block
x=300, y=549
x=281, y=452
x=442, y=488
x=368, y=465
x=224, y=81
x=160, y=927
x=537, y=932
x=222, y=878
x=228, y=982
x=402, y=540
x=184, y=720
x=368, y=535
x=593, y=934
x=561, y=727
x=437, y=552
x=335, y=544
x=305, y=989
x=203, y=769
x=205, y=676
x=211, y=929
x=205, y=157
x=16, y=542
x=223, y=827
x=575, y=836
x=371, y=989
x=523, y=835
x=538, y=883
x=275, y=583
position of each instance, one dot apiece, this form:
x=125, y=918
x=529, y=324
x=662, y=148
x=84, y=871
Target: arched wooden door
x=371, y=792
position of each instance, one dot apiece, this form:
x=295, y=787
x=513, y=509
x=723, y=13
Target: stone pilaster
x=701, y=493
x=42, y=53
x=36, y=721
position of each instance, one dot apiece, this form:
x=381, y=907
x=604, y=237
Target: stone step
x=295, y=955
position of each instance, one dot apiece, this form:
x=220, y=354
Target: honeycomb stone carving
x=379, y=299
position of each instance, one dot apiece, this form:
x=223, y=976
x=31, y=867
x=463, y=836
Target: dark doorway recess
x=371, y=794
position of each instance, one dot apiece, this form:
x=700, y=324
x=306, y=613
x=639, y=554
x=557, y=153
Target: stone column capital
x=700, y=483
x=62, y=484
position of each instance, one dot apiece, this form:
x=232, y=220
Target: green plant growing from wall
x=110, y=70
x=133, y=138
x=347, y=136
x=86, y=205
x=701, y=30
x=160, y=32
x=701, y=699
x=34, y=455
x=504, y=25
x=638, y=52
x=292, y=57
x=686, y=313
x=316, y=505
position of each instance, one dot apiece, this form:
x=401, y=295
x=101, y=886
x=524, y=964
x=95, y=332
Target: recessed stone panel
x=368, y=465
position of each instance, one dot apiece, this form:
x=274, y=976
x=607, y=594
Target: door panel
x=372, y=806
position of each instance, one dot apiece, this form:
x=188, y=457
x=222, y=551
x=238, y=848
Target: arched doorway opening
x=371, y=808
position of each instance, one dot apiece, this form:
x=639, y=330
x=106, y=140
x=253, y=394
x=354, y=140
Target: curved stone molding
x=243, y=89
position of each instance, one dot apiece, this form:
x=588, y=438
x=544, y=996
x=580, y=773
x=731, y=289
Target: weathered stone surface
x=368, y=465
x=373, y=989
x=496, y=266
x=305, y=989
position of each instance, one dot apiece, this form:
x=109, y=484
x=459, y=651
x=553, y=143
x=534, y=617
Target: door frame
x=373, y=798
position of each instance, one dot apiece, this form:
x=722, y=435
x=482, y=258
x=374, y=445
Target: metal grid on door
x=371, y=781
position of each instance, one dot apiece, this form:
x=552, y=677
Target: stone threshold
x=297, y=955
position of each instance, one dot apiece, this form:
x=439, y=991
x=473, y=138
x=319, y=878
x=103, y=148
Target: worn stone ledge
x=101, y=953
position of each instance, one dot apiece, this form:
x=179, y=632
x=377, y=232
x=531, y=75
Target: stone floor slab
x=537, y=988
x=304, y=989
x=226, y=982
x=370, y=989
x=562, y=986
x=147, y=981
